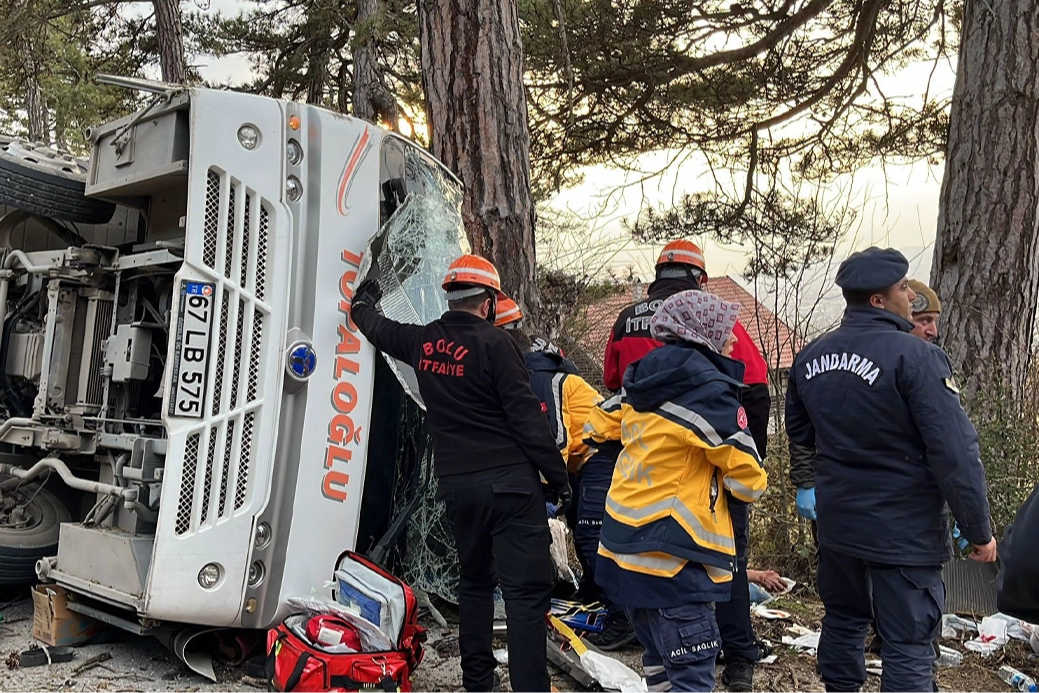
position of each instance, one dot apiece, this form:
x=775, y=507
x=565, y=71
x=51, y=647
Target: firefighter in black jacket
x=490, y=440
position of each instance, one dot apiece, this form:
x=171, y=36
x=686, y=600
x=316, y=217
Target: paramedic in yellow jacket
x=667, y=550
x=567, y=400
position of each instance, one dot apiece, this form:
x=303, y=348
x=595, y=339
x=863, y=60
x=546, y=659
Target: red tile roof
x=773, y=337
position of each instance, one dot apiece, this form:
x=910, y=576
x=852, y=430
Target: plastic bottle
x=949, y=657
x=1016, y=679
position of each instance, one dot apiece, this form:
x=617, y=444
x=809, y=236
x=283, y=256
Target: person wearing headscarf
x=667, y=550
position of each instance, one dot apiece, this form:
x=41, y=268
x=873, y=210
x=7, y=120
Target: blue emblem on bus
x=302, y=361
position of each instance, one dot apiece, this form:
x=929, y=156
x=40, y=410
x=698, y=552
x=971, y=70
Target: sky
x=896, y=205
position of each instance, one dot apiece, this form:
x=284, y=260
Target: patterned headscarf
x=695, y=316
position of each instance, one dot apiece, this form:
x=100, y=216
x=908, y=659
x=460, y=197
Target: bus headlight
x=248, y=137
x=209, y=576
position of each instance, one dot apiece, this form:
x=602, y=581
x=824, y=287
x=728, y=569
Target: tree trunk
x=472, y=73
x=36, y=112
x=986, y=255
x=317, y=72
x=170, y=37
x=372, y=100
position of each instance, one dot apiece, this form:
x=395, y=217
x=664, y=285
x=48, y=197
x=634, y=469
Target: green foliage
x=302, y=49
x=787, y=232
x=779, y=538
x=70, y=48
x=1008, y=436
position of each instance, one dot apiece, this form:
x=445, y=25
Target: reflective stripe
x=509, y=312
x=660, y=687
x=613, y=403
x=738, y=487
x=459, y=294
x=718, y=574
x=669, y=254
x=708, y=431
x=477, y=272
x=557, y=390
x=657, y=562
x=691, y=417
x=746, y=441
x=699, y=531
x=656, y=678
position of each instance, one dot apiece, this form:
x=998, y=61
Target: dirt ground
x=142, y=664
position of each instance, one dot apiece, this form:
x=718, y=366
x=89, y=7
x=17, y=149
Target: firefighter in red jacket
x=681, y=267
x=490, y=440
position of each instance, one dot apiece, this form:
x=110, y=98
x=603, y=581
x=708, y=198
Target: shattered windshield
x=421, y=233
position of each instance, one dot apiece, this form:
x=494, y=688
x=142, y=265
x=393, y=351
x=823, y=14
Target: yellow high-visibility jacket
x=685, y=439
x=568, y=401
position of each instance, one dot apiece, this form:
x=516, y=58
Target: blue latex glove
x=806, y=503
x=961, y=542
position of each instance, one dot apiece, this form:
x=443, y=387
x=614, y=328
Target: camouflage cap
x=926, y=299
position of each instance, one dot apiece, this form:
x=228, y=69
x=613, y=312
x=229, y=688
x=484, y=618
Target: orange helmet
x=508, y=314
x=473, y=270
x=682, y=252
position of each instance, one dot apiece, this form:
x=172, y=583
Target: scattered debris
x=806, y=642
x=447, y=647
x=948, y=657
x=37, y=656
x=992, y=635
x=92, y=663
x=762, y=611
x=254, y=682
x=612, y=674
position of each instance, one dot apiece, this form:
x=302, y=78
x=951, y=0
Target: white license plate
x=190, y=372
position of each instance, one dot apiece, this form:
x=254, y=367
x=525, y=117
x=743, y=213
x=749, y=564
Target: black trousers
x=501, y=530
x=733, y=616
x=738, y=639
x=907, y=602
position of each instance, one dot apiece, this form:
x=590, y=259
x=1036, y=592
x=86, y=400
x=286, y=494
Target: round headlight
x=209, y=575
x=256, y=573
x=294, y=152
x=293, y=189
x=263, y=535
x=248, y=137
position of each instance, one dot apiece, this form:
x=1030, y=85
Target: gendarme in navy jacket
x=892, y=442
x=481, y=411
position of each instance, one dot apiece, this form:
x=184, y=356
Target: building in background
x=774, y=338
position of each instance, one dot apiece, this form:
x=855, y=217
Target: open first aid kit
x=366, y=639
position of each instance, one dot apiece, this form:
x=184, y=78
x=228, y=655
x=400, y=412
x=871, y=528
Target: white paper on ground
x=1016, y=628
x=992, y=635
x=804, y=643
x=501, y=656
x=763, y=611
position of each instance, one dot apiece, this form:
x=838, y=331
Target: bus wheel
x=30, y=517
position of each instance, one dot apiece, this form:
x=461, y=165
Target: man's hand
x=368, y=292
x=769, y=579
x=984, y=553
x=563, y=497
x=806, y=503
